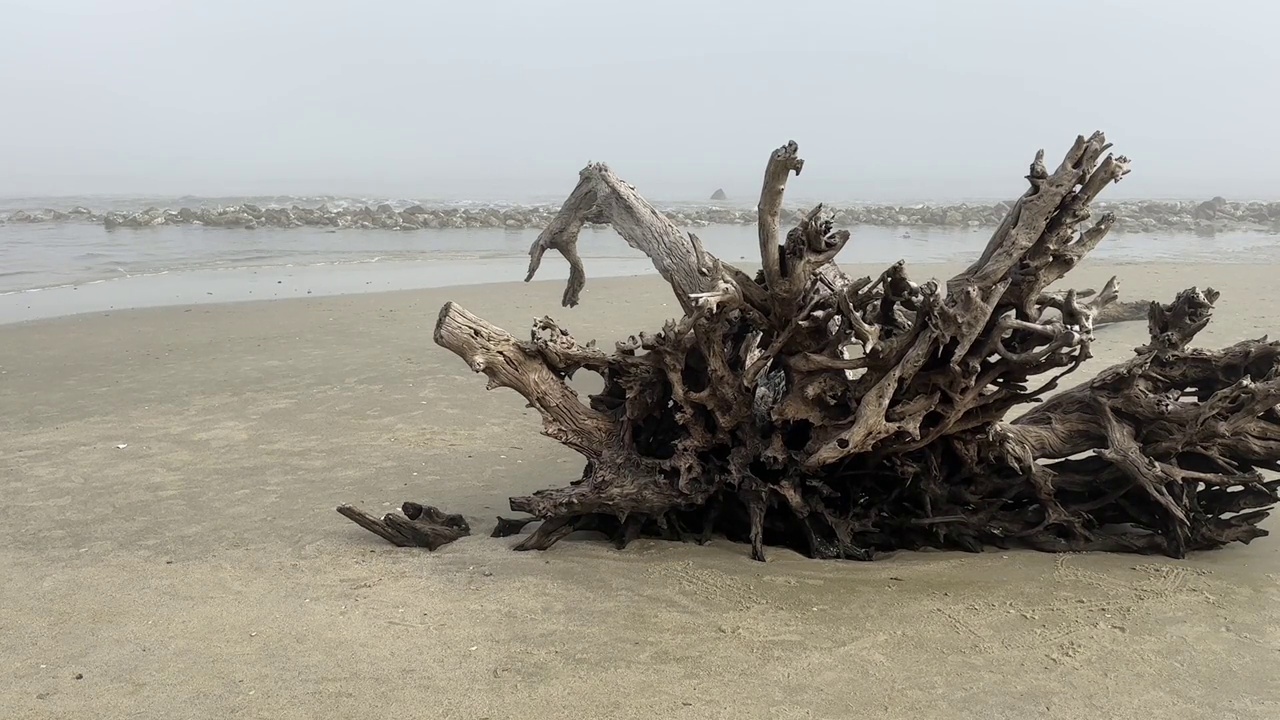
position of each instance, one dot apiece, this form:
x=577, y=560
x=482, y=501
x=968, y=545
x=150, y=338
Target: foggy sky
x=504, y=99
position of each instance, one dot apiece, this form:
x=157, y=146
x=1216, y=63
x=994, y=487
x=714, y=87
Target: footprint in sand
x=1087, y=603
x=700, y=584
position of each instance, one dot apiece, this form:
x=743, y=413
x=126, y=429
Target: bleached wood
x=845, y=417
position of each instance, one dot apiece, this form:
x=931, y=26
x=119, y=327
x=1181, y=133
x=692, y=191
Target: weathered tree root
x=845, y=418
x=419, y=526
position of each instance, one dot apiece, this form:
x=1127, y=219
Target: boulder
x=719, y=195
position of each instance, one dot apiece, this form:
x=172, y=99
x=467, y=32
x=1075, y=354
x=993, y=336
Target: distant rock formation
x=719, y=195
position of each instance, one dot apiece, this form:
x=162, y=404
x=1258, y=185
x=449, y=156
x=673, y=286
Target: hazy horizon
x=506, y=100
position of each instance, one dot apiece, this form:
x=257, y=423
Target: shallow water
x=56, y=269
x=55, y=254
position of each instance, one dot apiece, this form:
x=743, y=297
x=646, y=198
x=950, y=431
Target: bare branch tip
x=787, y=155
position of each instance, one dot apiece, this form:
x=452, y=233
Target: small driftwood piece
x=507, y=527
x=848, y=417
x=419, y=526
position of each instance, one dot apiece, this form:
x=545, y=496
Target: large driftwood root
x=846, y=417
x=418, y=526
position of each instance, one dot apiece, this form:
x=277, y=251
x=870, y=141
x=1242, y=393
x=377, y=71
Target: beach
x=170, y=547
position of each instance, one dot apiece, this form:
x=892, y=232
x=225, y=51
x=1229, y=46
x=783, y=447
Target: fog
x=509, y=99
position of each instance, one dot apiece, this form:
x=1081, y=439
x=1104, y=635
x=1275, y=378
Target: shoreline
x=269, y=283
x=216, y=286
x=64, y=261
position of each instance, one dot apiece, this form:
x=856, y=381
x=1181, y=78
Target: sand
x=169, y=547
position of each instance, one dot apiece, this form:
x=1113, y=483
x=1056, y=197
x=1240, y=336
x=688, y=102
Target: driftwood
x=846, y=417
x=419, y=526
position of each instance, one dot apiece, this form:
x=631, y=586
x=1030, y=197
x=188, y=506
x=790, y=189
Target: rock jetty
x=1146, y=216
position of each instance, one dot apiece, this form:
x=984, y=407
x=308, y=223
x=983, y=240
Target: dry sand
x=201, y=572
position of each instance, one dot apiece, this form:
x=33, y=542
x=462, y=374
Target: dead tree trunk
x=848, y=417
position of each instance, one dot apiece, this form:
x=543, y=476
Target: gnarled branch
x=846, y=417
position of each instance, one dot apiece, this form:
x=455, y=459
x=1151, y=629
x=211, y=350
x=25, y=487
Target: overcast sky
x=510, y=98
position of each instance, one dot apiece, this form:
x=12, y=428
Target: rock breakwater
x=1216, y=215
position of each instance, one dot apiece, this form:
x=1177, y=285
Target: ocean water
x=46, y=255
x=126, y=267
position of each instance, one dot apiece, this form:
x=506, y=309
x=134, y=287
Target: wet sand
x=200, y=570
